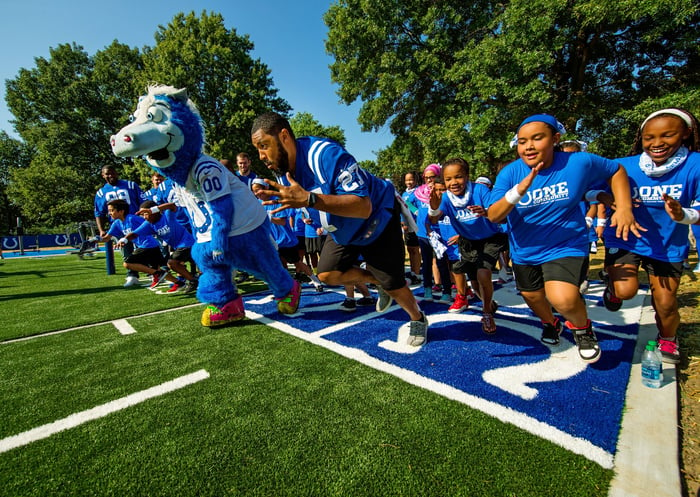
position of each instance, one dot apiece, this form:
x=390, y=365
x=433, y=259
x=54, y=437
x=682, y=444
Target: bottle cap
x=652, y=342
x=650, y=347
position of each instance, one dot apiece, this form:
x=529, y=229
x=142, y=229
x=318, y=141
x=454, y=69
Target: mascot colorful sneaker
x=231, y=227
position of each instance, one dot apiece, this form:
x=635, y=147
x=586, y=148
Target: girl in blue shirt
x=664, y=173
x=480, y=241
x=539, y=196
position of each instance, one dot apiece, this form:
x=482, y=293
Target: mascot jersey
x=665, y=239
x=547, y=223
x=323, y=166
x=166, y=194
x=209, y=180
x=168, y=229
x=467, y=224
x=130, y=224
x=124, y=189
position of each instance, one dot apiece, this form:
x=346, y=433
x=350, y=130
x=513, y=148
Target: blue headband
x=541, y=118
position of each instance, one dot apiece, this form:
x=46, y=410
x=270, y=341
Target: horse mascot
x=231, y=227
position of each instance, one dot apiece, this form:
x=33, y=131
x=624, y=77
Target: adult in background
x=114, y=189
x=359, y=210
x=244, y=172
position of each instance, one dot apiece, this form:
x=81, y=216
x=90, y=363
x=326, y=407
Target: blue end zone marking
x=586, y=404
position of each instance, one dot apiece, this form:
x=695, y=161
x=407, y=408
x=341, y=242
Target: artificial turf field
x=134, y=401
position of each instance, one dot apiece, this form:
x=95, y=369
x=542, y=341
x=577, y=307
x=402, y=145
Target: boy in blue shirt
x=163, y=225
x=147, y=257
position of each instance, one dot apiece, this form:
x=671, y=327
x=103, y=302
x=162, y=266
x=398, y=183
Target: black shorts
x=151, y=257
x=572, y=270
x=410, y=238
x=183, y=254
x=654, y=267
x=314, y=245
x=289, y=254
x=301, y=243
x=384, y=257
x=479, y=254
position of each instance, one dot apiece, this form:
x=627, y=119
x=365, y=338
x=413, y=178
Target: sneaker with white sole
x=383, y=300
x=418, y=333
x=348, y=305
x=131, y=281
x=669, y=350
x=586, y=341
x=460, y=304
x=551, y=332
x=156, y=279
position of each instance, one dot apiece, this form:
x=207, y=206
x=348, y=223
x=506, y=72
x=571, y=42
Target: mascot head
x=166, y=129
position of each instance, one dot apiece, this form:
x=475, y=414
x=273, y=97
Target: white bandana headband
x=675, y=112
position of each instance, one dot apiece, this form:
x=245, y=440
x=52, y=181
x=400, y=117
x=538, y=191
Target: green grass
x=278, y=415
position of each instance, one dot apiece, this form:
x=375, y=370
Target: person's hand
x=624, y=222
x=477, y=209
x=287, y=196
x=452, y=240
x=673, y=207
x=526, y=182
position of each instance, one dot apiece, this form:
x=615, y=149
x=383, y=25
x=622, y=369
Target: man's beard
x=283, y=160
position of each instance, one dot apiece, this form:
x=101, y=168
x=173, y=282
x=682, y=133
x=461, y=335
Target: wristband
x=589, y=222
x=512, y=196
x=690, y=216
x=434, y=213
x=602, y=222
x=311, y=200
x=123, y=240
x=592, y=195
x=155, y=209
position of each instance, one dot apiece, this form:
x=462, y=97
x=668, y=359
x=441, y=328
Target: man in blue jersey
x=359, y=211
x=244, y=172
x=114, y=189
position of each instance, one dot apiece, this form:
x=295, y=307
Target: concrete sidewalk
x=647, y=458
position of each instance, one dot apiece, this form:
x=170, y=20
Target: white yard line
x=124, y=327
x=101, y=411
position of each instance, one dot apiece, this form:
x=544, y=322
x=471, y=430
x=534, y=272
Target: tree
x=227, y=85
x=455, y=78
x=13, y=155
x=304, y=124
x=65, y=110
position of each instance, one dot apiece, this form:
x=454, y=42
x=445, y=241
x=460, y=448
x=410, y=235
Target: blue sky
x=288, y=37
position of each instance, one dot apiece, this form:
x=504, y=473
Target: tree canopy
x=66, y=108
x=455, y=78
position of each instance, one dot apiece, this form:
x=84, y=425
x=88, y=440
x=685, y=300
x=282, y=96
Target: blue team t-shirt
x=124, y=189
x=324, y=166
x=665, y=239
x=168, y=229
x=548, y=223
x=467, y=224
x=131, y=223
x=283, y=234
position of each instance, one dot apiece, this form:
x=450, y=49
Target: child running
x=664, y=173
x=480, y=241
x=539, y=195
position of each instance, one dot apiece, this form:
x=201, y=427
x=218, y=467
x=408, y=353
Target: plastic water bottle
x=659, y=356
x=651, y=368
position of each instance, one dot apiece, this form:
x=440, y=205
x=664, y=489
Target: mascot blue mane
x=165, y=128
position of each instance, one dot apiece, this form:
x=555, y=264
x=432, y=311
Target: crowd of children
x=539, y=220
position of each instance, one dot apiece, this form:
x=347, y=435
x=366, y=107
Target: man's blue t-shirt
x=466, y=223
x=124, y=189
x=548, y=223
x=323, y=166
x=131, y=223
x=665, y=239
x=168, y=229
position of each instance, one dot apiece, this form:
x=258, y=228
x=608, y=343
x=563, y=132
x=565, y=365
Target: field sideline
x=174, y=409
